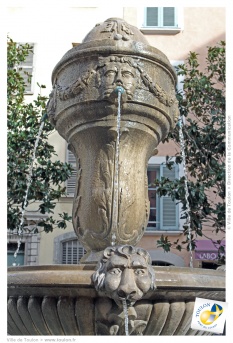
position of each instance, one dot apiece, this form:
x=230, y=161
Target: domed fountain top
x=117, y=29
x=115, y=35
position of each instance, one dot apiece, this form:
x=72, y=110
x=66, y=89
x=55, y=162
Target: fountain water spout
x=124, y=303
x=119, y=90
x=28, y=184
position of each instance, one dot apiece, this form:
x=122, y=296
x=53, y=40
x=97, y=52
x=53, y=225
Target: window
x=67, y=249
x=19, y=259
x=27, y=68
x=71, y=182
x=160, y=17
x=161, y=20
x=159, y=258
x=161, y=263
x=209, y=265
x=28, y=253
x=164, y=212
x=152, y=174
x=72, y=252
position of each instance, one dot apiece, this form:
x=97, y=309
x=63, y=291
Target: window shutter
x=168, y=16
x=160, y=17
x=72, y=252
x=152, y=16
x=169, y=213
x=71, y=182
x=168, y=209
x=153, y=222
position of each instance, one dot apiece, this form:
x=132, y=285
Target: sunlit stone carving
x=83, y=108
x=124, y=272
x=79, y=299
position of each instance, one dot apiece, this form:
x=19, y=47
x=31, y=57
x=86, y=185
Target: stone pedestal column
x=83, y=108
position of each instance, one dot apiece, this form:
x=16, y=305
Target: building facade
x=174, y=31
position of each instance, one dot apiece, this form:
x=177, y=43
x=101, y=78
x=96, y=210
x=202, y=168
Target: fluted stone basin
x=61, y=300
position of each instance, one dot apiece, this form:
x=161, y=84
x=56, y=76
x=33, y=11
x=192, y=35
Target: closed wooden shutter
x=168, y=207
x=160, y=17
x=168, y=16
x=169, y=213
x=71, y=182
x=152, y=16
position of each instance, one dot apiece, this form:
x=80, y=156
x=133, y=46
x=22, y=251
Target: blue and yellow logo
x=208, y=317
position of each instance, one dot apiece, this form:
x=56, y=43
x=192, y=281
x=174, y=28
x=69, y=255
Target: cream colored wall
x=196, y=34
x=54, y=29
x=201, y=26
x=47, y=239
x=149, y=242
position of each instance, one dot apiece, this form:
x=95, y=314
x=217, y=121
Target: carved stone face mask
x=118, y=74
x=126, y=274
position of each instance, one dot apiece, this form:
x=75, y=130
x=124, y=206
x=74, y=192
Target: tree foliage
x=48, y=176
x=202, y=109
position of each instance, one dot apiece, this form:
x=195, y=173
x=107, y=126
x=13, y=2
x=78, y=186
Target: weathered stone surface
x=61, y=300
x=83, y=108
x=124, y=272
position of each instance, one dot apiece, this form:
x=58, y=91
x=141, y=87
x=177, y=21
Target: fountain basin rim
x=50, y=288
x=80, y=276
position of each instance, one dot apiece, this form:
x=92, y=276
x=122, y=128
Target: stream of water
x=119, y=91
x=125, y=309
x=29, y=182
x=188, y=221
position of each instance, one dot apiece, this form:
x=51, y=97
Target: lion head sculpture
x=124, y=273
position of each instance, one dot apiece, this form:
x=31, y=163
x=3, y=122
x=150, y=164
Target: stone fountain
x=113, y=100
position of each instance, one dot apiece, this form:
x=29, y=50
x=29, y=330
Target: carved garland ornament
x=99, y=78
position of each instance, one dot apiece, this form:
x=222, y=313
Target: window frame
x=58, y=246
x=75, y=244
x=157, y=208
x=161, y=29
x=31, y=241
x=70, y=158
x=159, y=163
x=11, y=249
